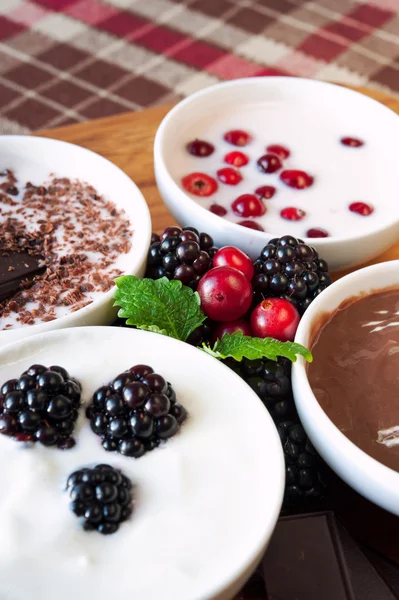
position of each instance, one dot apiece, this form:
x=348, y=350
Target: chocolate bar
x=16, y=267
x=388, y=570
x=366, y=581
x=305, y=560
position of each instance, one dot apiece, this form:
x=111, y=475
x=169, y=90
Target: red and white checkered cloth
x=65, y=61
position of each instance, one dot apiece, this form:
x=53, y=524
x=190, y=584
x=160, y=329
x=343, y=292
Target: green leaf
x=238, y=346
x=162, y=306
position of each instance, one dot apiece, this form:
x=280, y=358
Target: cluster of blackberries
x=183, y=254
x=288, y=268
x=41, y=406
x=271, y=381
x=135, y=412
x=102, y=496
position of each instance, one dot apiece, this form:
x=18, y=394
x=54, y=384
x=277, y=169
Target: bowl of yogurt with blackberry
x=250, y=160
x=183, y=513
x=70, y=223
x=346, y=397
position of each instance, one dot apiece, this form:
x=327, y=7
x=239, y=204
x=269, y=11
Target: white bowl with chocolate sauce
x=347, y=398
x=70, y=223
x=315, y=160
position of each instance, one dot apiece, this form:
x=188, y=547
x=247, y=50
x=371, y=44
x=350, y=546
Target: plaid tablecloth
x=65, y=61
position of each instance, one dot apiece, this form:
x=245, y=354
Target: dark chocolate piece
x=16, y=267
x=366, y=582
x=305, y=560
x=388, y=570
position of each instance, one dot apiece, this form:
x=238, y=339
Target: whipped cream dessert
x=312, y=174
x=79, y=238
x=355, y=372
x=204, y=503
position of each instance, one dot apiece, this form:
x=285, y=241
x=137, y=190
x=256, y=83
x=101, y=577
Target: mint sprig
x=173, y=309
x=162, y=306
x=239, y=346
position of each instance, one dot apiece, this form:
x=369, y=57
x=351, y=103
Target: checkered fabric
x=65, y=61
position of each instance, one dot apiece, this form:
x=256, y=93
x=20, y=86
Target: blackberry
x=135, y=412
x=102, y=496
x=183, y=254
x=41, y=406
x=305, y=470
x=288, y=268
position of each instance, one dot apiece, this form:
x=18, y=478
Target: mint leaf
x=162, y=306
x=238, y=346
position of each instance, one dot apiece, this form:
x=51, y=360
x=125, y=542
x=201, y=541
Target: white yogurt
x=342, y=175
x=205, y=503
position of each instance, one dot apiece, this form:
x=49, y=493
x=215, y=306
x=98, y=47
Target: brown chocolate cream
x=355, y=372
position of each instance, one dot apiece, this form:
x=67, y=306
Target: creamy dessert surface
x=355, y=373
x=81, y=237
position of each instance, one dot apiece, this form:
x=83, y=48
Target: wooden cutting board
x=127, y=140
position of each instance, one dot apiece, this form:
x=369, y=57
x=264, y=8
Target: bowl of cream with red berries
x=252, y=159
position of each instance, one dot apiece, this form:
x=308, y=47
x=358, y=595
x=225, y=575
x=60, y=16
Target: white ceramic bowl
x=36, y=158
x=206, y=502
x=366, y=475
x=371, y=119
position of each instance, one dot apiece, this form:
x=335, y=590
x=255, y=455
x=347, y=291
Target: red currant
x=251, y=225
x=231, y=256
x=248, y=205
x=361, y=208
x=200, y=148
x=270, y=163
x=265, y=191
x=236, y=158
x=352, y=142
x=296, y=179
x=281, y=151
x=237, y=137
x=276, y=318
x=316, y=232
x=226, y=294
x=231, y=327
x=229, y=176
x=218, y=210
x=292, y=214
x=199, y=184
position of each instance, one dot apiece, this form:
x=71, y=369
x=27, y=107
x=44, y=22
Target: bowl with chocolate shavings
x=70, y=223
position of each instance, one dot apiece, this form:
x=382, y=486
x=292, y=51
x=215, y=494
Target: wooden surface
x=127, y=141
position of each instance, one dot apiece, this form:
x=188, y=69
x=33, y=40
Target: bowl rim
x=143, y=229
x=262, y=536
x=362, y=462
x=184, y=198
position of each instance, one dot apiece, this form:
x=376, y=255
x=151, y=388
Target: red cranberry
x=269, y=163
x=248, y=205
x=276, y=318
x=361, y=208
x=237, y=137
x=226, y=294
x=292, y=214
x=200, y=148
x=236, y=158
x=251, y=225
x=352, y=142
x=281, y=151
x=229, y=176
x=266, y=191
x=296, y=179
x=231, y=327
x=218, y=210
x=199, y=184
x=316, y=232
x=231, y=256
